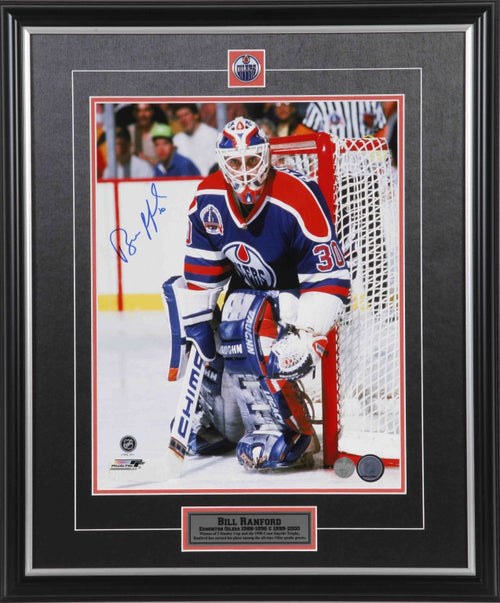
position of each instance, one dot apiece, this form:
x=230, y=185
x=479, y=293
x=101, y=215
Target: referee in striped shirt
x=345, y=119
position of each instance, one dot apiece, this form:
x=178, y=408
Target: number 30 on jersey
x=329, y=256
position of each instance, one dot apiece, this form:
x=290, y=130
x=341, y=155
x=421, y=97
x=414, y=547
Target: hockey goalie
x=265, y=280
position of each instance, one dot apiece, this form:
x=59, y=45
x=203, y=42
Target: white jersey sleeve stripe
x=320, y=276
x=205, y=254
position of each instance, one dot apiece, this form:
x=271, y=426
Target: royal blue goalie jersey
x=287, y=241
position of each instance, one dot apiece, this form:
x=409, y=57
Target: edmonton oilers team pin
x=246, y=68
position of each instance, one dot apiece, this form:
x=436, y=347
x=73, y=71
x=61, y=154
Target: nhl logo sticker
x=128, y=443
x=246, y=68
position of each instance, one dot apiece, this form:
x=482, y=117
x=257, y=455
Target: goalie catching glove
x=295, y=353
x=302, y=341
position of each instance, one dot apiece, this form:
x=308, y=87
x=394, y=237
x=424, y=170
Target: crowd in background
x=166, y=140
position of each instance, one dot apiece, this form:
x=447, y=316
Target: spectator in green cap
x=170, y=163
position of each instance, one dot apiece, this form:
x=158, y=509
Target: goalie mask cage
x=360, y=382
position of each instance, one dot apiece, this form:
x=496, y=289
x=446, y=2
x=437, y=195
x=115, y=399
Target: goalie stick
x=168, y=466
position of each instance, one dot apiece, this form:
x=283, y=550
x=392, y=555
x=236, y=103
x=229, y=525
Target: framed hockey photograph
x=251, y=301
x=362, y=374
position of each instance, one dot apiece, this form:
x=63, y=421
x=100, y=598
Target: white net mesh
x=367, y=223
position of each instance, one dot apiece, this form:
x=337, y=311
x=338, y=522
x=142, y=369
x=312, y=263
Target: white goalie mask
x=243, y=155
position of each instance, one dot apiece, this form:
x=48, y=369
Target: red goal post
x=360, y=381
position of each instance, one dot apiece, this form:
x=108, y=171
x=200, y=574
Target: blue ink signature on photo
x=124, y=243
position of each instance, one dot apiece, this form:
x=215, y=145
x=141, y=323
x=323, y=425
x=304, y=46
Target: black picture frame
x=18, y=584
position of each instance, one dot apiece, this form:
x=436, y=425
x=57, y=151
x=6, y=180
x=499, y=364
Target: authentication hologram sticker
x=344, y=466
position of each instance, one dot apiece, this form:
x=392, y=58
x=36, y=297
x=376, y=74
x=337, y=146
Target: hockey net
x=359, y=381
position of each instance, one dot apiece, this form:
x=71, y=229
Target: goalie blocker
x=249, y=396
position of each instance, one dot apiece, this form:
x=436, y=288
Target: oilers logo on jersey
x=250, y=266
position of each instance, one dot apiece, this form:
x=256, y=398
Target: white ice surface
x=135, y=398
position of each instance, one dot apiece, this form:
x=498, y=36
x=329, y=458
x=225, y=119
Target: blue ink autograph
x=124, y=243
